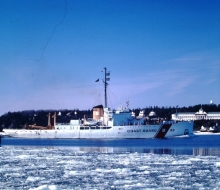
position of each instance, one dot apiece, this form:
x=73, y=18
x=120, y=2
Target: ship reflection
x=149, y=146
x=169, y=151
x=206, y=151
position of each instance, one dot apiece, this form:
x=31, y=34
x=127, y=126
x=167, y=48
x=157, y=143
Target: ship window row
x=94, y=127
x=128, y=124
x=64, y=128
x=132, y=126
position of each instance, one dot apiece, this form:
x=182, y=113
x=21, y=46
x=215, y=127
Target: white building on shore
x=200, y=115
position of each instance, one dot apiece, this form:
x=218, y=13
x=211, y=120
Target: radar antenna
x=127, y=107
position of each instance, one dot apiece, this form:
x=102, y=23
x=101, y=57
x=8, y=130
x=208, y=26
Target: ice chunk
x=33, y=179
x=45, y=187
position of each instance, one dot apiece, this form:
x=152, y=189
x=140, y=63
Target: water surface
x=175, y=163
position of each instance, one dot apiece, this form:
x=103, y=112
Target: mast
x=49, y=124
x=54, y=119
x=106, y=78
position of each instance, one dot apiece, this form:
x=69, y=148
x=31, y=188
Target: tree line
x=20, y=119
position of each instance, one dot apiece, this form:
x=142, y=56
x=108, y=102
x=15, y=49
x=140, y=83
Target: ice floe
x=57, y=168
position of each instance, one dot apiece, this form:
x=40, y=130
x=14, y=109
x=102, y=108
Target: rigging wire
x=100, y=94
x=109, y=98
x=115, y=97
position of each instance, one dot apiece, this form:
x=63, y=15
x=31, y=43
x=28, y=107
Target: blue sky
x=159, y=53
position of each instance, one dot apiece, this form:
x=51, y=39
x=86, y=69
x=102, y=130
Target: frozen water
x=40, y=168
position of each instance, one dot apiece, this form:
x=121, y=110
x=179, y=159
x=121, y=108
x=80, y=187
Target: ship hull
x=115, y=132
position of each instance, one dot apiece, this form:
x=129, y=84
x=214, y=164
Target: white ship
x=108, y=124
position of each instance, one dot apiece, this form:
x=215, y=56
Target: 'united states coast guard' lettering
x=139, y=130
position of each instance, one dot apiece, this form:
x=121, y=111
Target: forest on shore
x=18, y=120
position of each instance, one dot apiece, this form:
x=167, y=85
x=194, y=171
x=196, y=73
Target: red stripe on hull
x=163, y=131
